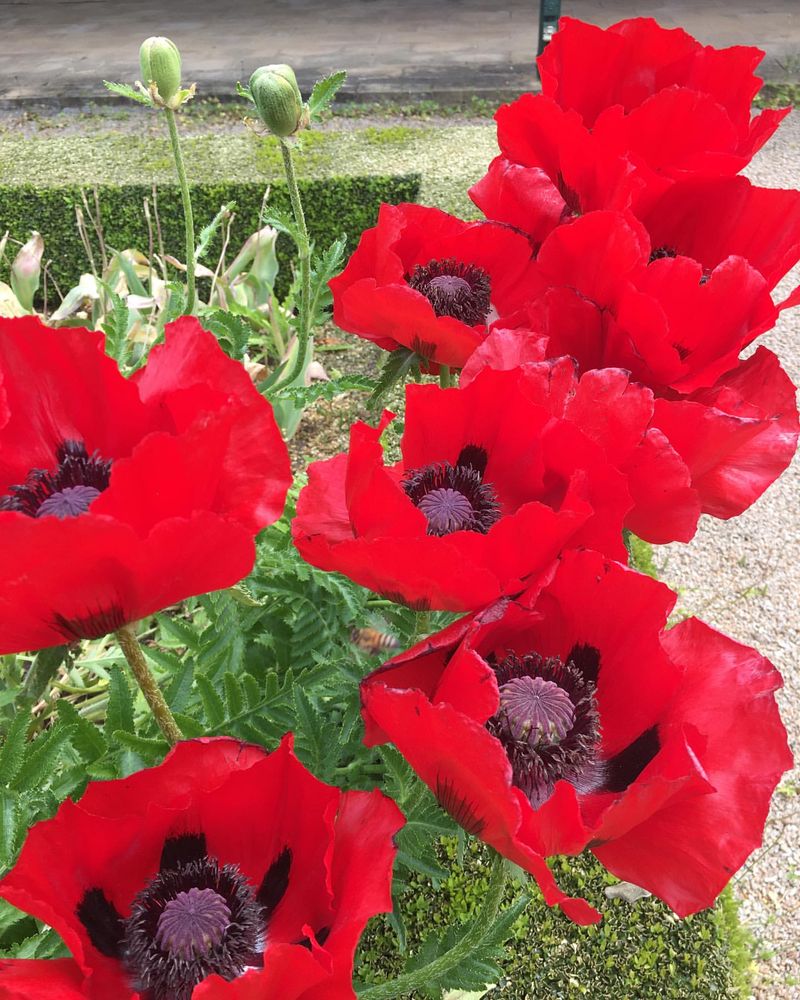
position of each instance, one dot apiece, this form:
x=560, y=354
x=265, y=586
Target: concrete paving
x=60, y=50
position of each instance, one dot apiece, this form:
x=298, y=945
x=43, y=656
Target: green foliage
x=636, y=952
x=324, y=92
x=334, y=205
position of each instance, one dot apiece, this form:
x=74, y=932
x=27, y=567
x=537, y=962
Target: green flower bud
x=277, y=99
x=160, y=63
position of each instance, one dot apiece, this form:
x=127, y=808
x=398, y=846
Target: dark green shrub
x=333, y=206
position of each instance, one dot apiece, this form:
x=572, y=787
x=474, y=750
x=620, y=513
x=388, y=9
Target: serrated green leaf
x=234, y=698
x=41, y=758
x=305, y=395
x=208, y=232
x=179, y=690
x=324, y=92
x=125, y=90
x=15, y=746
x=182, y=631
x=85, y=736
x=232, y=332
x=10, y=827
x=119, y=714
x=395, y=369
x=148, y=749
x=212, y=703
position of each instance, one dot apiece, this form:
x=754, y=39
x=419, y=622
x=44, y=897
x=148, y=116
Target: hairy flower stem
x=304, y=254
x=445, y=377
x=422, y=978
x=129, y=645
x=188, y=217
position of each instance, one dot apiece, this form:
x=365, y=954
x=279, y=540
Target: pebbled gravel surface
x=743, y=577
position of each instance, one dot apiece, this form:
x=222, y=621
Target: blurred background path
x=61, y=49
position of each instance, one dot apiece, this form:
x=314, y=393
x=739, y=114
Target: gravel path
x=743, y=576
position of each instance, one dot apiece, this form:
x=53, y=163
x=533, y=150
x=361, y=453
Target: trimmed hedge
x=637, y=952
x=333, y=206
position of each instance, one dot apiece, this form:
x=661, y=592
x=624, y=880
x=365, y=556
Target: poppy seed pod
x=160, y=63
x=277, y=99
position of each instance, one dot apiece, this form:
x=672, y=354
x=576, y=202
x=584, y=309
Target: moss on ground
x=638, y=952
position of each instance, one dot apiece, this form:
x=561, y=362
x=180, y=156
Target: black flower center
x=454, y=497
x=454, y=289
x=191, y=922
x=548, y=724
x=659, y=253
x=78, y=480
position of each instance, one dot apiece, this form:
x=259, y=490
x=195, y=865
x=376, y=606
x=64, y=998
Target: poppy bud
x=160, y=64
x=26, y=270
x=277, y=99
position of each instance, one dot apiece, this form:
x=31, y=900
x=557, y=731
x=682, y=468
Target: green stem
x=422, y=626
x=445, y=376
x=422, y=978
x=304, y=253
x=130, y=647
x=188, y=217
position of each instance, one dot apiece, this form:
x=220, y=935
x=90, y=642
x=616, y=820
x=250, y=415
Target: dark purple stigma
x=68, y=491
x=454, y=289
x=69, y=502
x=193, y=923
x=535, y=711
x=454, y=497
x=548, y=724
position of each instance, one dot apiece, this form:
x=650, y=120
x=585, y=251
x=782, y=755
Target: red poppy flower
x=607, y=301
x=491, y=486
x=618, y=414
x=150, y=489
x=225, y=872
x=424, y=280
x=553, y=169
x=569, y=719
x=715, y=218
x=659, y=93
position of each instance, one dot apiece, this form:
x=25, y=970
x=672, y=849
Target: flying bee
x=373, y=641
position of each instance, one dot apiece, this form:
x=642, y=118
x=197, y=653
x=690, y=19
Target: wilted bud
x=160, y=63
x=26, y=271
x=277, y=99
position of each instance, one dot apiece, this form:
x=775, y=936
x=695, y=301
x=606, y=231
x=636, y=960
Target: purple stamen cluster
x=454, y=497
x=454, y=289
x=78, y=479
x=192, y=921
x=548, y=724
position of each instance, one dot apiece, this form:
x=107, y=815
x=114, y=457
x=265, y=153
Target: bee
x=372, y=641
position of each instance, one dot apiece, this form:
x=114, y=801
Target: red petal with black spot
x=569, y=718
x=426, y=281
x=490, y=488
x=225, y=872
x=149, y=489
x=715, y=218
x=635, y=72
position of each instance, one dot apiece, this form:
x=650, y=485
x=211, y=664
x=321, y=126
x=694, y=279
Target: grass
x=637, y=952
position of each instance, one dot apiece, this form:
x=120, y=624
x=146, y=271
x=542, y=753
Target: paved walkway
x=62, y=49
